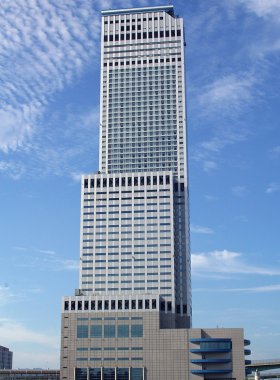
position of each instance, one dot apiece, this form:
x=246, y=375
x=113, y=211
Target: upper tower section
x=142, y=96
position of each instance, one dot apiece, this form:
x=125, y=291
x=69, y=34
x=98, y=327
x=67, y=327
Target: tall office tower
x=142, y=130
x=130, y=317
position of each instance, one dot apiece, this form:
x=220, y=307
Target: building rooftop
x=113, y=12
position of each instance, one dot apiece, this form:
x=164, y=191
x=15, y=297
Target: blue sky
x=49, y=120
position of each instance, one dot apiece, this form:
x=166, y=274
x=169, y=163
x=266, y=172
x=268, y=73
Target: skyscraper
x=142, y=130
x=134, y=288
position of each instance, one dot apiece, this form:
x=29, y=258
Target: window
x=109, y=331
x=123, y=331
x=136, y=373
x=136, y=331
x=95, y=331
x=82, y=331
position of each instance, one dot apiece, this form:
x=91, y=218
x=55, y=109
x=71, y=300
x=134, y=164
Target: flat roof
x=167, y=8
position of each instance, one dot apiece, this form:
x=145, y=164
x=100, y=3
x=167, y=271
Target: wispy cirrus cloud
x=44, y=49
x=210, y=198
x=228, y=94
x=257, y=289
x=273, y=187
x=274, y=153
x=201, y=230
x=50, y=262
x=262, y=8
x=43, y=46
x=227, y=262
x=239, y=191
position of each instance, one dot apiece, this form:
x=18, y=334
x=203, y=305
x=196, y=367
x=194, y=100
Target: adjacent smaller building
x=30, y=374
x=6, y=358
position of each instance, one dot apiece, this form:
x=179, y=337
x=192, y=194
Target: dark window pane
x=136, y=331
x=123, y=331
x=95, y=331
x=109, y=331
x=82, y=331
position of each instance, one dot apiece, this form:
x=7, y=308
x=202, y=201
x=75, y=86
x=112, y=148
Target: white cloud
x=275, y=152
x=207, y=152
x=76, y=176
x=226, y=262
x=13, y=332
x=257, y=289
x=69, y=264
x=209, y=198
x=43, y=48
x=31, y=348
x=272, y=188
x=228, y=94
x=32, y=358
x=242, y=217
x=6, y=295
x=201, y=230
x=42, y=251
x=263, y=8
x=239, y=191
